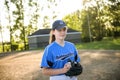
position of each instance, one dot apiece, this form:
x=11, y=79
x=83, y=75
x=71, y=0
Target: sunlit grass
x=105, y=44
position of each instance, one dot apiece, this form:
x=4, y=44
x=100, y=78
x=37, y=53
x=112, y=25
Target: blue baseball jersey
x=56, y=56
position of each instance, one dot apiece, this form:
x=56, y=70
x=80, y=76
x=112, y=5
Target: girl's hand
x=66, y=67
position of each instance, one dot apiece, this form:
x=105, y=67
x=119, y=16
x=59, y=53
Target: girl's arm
x=50, y=71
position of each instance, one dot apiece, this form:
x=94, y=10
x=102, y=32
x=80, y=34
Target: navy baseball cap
x=58, y=24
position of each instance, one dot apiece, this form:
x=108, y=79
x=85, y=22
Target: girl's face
x=60, y=34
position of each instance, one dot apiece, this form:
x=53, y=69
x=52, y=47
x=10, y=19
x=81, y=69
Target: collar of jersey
x=59, y=44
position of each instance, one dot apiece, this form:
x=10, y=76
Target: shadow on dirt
x=97, y=65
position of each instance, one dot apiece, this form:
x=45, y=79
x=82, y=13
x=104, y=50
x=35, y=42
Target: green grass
x=105, y=44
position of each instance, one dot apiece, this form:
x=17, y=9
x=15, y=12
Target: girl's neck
x=60, y=42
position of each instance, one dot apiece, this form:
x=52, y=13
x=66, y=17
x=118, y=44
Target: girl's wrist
x=64, y=70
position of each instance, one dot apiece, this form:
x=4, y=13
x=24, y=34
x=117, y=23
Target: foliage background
x=96, y=20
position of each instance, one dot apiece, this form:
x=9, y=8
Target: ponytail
x=52, y=37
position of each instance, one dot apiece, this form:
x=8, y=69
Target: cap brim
x=60, y=27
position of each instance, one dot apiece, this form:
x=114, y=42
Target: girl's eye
x=60, y=30
x=63, y=29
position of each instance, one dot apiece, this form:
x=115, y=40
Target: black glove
x=76, y=69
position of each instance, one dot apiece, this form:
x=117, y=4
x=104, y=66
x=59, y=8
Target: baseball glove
x=76, y=69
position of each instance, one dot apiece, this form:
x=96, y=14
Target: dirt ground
x=97, y=65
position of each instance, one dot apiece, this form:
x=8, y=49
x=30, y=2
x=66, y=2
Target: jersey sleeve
x=47, y=60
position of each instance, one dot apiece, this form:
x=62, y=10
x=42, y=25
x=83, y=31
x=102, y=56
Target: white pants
x=62, y=77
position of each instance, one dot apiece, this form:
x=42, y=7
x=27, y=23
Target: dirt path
x=98, y=65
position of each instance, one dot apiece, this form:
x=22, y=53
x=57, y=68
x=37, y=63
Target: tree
x=50, y=5
x=86, y=34
x=19, y=22
x=114, y=10
x=96, y=16
x=92, y=19
x=7, y=3
x=46, y=23
x=1, y=36
x=73, y=20
x=1, y=32
x=34, y=16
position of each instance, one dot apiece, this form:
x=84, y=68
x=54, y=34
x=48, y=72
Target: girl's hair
x=52, y=37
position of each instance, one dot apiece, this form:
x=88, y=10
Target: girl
x=57, y=53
